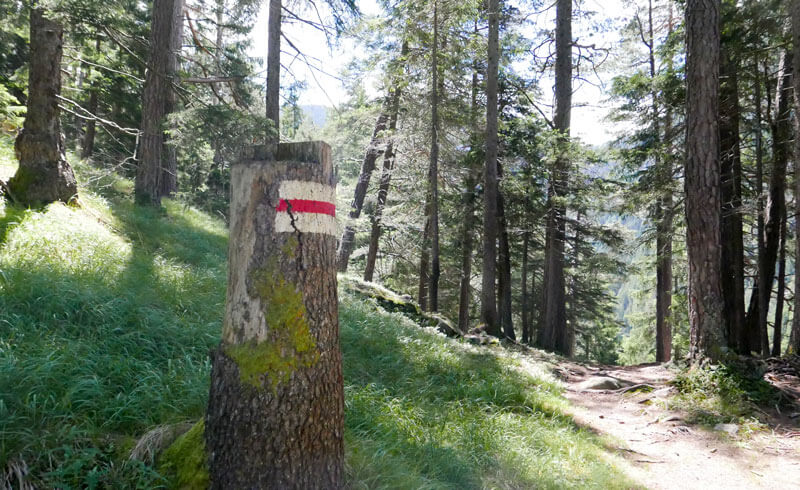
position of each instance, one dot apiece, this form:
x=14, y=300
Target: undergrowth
x=107, y=314
x=724, y=393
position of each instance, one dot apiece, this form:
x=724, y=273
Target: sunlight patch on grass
x=424, y=411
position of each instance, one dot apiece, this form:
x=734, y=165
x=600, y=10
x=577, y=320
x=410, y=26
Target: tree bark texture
x=553, y=334
x=276, y=408
x=43, y=175
x=490, y=231
x=731, y=195
x=273, y=100
x=702, y=181
x=778, y=324
x=794, y=341
x=157, y=170
x=375, y=149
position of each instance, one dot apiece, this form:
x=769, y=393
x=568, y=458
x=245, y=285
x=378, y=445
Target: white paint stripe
x=312, y=191
x=306, y=223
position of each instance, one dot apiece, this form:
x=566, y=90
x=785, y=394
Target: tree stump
x=276, y=406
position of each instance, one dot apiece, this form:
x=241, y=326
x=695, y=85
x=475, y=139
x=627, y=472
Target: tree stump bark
x=44, y=175
x=276, y=406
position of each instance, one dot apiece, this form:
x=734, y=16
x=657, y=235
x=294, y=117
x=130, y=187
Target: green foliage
x=186, y=460
x=11, y=112
x=728, y=392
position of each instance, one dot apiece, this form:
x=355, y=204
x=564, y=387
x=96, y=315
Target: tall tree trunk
x=663, y=209
x=425, y=258
x=777, y=327
x=169, y=166
x=759, y=295
x=433, y=171
x=374, y=150
x=43, y=175
x=775, y=211
x=702, y=181
x=157, y=165
x=504, y=269
x=87, y=144
x=273, y=100
x=386, y=175
x=467, y=232
x=731, y=195
x=275, y=415
x=554, y=335
x=490, y=231
x=526, y=314
x=794, y=342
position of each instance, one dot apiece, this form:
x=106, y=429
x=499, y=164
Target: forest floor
x=663, y=448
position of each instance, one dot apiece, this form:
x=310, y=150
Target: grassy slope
x=106, y=317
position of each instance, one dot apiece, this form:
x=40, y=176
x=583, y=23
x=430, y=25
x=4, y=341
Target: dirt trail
x=661, y=450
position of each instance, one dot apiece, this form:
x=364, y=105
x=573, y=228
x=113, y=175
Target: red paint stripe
x=307, y=206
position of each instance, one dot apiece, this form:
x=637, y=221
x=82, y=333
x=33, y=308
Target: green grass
x=107, y=314
x=425, y=411
x=730, y=392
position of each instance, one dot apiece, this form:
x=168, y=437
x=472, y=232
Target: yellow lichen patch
x=289, y=344
x=186, y=461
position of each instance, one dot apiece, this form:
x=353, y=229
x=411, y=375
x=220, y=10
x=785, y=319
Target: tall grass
x=425, y=411
x=107, y=314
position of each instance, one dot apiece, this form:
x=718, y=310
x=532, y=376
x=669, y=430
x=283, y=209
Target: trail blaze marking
x=312, y=206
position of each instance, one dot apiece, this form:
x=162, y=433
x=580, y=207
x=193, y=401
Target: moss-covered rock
x=185, y=462
x=391, y=301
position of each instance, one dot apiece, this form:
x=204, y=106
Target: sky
x=323, y=88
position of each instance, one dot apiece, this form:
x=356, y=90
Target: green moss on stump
x=289, y=345
x=186, y=461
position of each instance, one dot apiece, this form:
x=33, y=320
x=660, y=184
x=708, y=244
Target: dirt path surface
x=661, y=450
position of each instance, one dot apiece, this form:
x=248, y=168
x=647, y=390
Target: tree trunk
x=433, y=171
x=775, y=211
x=731, y=195
x=490, y=231
x=504, y=267
x=777, y=327
x=663, y=210
x=273, y=101
x=758, y=295
x=43, y=175
x=504, y=270
x=467, y=232
x=275, y=414
x=386, y=175
x=169, y=166
x=526, y=314
x=157, y=169
x=794, y=342
x=87, y=144
x=347, y=241
x=702, y=181
x=553, y=333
